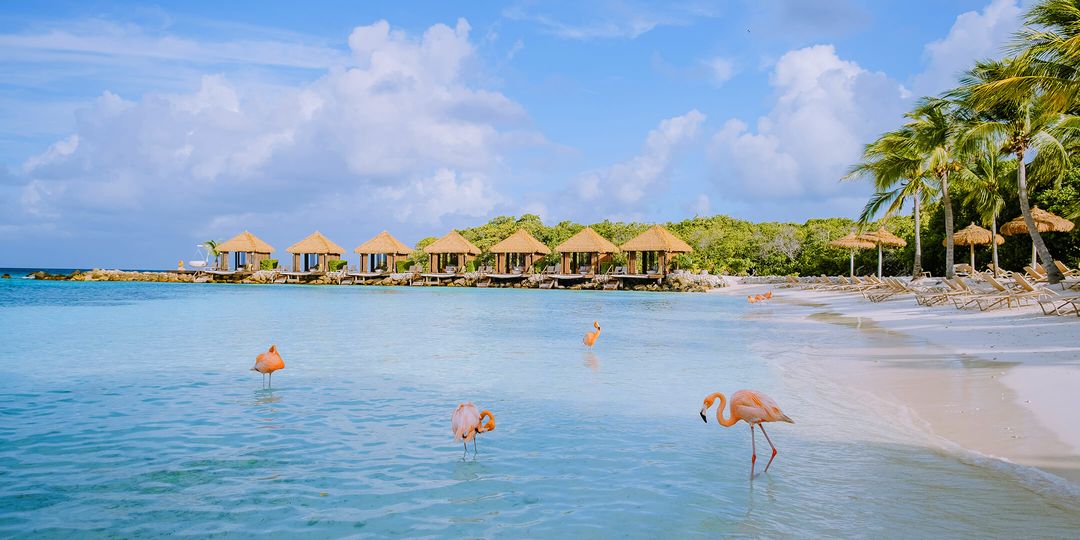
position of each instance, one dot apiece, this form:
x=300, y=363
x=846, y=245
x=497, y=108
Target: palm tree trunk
x=1053, y=275
x=993, y=242
x=916, y=270
x=947, y=201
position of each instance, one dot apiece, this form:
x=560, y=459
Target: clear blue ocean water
x=127, y=410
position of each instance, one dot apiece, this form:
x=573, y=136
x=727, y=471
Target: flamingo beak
x=703, y=419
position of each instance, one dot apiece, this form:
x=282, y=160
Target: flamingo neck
x=489, y=426
x=730, y=421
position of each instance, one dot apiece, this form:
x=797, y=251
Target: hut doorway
x=239, y=260
x=311, y=262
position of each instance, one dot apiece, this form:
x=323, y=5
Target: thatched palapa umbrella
x=1044, y=222
x=881, y=237
x=655, y=246
x=852, y=242
x=973, y=235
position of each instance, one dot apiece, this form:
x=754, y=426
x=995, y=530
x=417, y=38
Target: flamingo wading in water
x=467, y=423
x=751, y=407
x=269, y=362
x=590, y=337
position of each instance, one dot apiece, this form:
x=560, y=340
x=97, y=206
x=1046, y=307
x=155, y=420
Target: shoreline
x=676, y=281
x=1000, y=384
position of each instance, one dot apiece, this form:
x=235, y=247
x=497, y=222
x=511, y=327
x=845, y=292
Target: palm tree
x=933, y=126
x=896, y=175
x=986, y=181
x=1017, y=126
x=1047, y=59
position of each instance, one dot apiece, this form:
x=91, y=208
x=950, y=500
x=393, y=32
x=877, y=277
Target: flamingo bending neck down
x=751, y=407
x=269, y=362
x=590, y=337
x=467, y=422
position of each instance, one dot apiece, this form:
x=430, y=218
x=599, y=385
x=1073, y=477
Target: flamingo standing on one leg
x=467, y=423
x=269, y=362
x=590, y=337
x=751, y=407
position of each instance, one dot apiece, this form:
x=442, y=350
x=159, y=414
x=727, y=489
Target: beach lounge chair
x=963, y=269
x=1034, y=273
x=1065, y=270
x=939, y=295
x=1003, y=296
x=1000, y=271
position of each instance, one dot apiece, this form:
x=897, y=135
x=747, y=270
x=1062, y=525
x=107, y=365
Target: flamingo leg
x=753, y=451
x=474, y=445
x=466, y=452
x=264, y=380
x=271, y=378
x=773, y=448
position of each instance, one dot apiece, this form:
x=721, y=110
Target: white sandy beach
x=1001, y=383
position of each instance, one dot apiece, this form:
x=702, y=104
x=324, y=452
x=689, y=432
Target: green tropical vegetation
x=1003, y=141
x=1013, y=114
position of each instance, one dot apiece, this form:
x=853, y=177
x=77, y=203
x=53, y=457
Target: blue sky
x=130, y=132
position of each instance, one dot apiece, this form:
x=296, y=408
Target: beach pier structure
x=379, y=255
x=247, y=253
x=582, y=254
x=313, y=254
x=517, y=255
x=448, y=256
x=651, y=254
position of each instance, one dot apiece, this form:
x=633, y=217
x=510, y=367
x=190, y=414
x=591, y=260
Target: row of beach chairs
x=976, y=290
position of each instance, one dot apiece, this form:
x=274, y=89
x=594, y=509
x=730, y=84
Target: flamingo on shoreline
x=751, y=407
x=467, y=422
x=590, y=337
x=268, y=362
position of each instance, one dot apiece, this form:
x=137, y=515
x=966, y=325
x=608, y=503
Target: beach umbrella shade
x=974, y=235
x=881, y=237
x=851, y=242
x=1044, y=222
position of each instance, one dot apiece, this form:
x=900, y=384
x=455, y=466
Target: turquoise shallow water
x=126, y=409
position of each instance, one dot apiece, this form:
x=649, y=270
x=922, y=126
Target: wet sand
x=1004, y=384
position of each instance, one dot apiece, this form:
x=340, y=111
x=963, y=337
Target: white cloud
x=404, y=108
x=607, y=19
x=720, y=69
x=106, y=42
x=973, y=36
x=427, y=200
x=826, y=109
x=628, y=182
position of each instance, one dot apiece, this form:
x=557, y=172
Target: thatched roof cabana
x=383, y=249
x=585, y=247
x=452, y=247
x=322, y=248
x=248, y=252
x=518, y=249
x=656, y=245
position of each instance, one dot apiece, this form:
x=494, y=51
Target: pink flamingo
x=590, y=337
x=269, y=362
x=751, y=407
x=467, y=423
